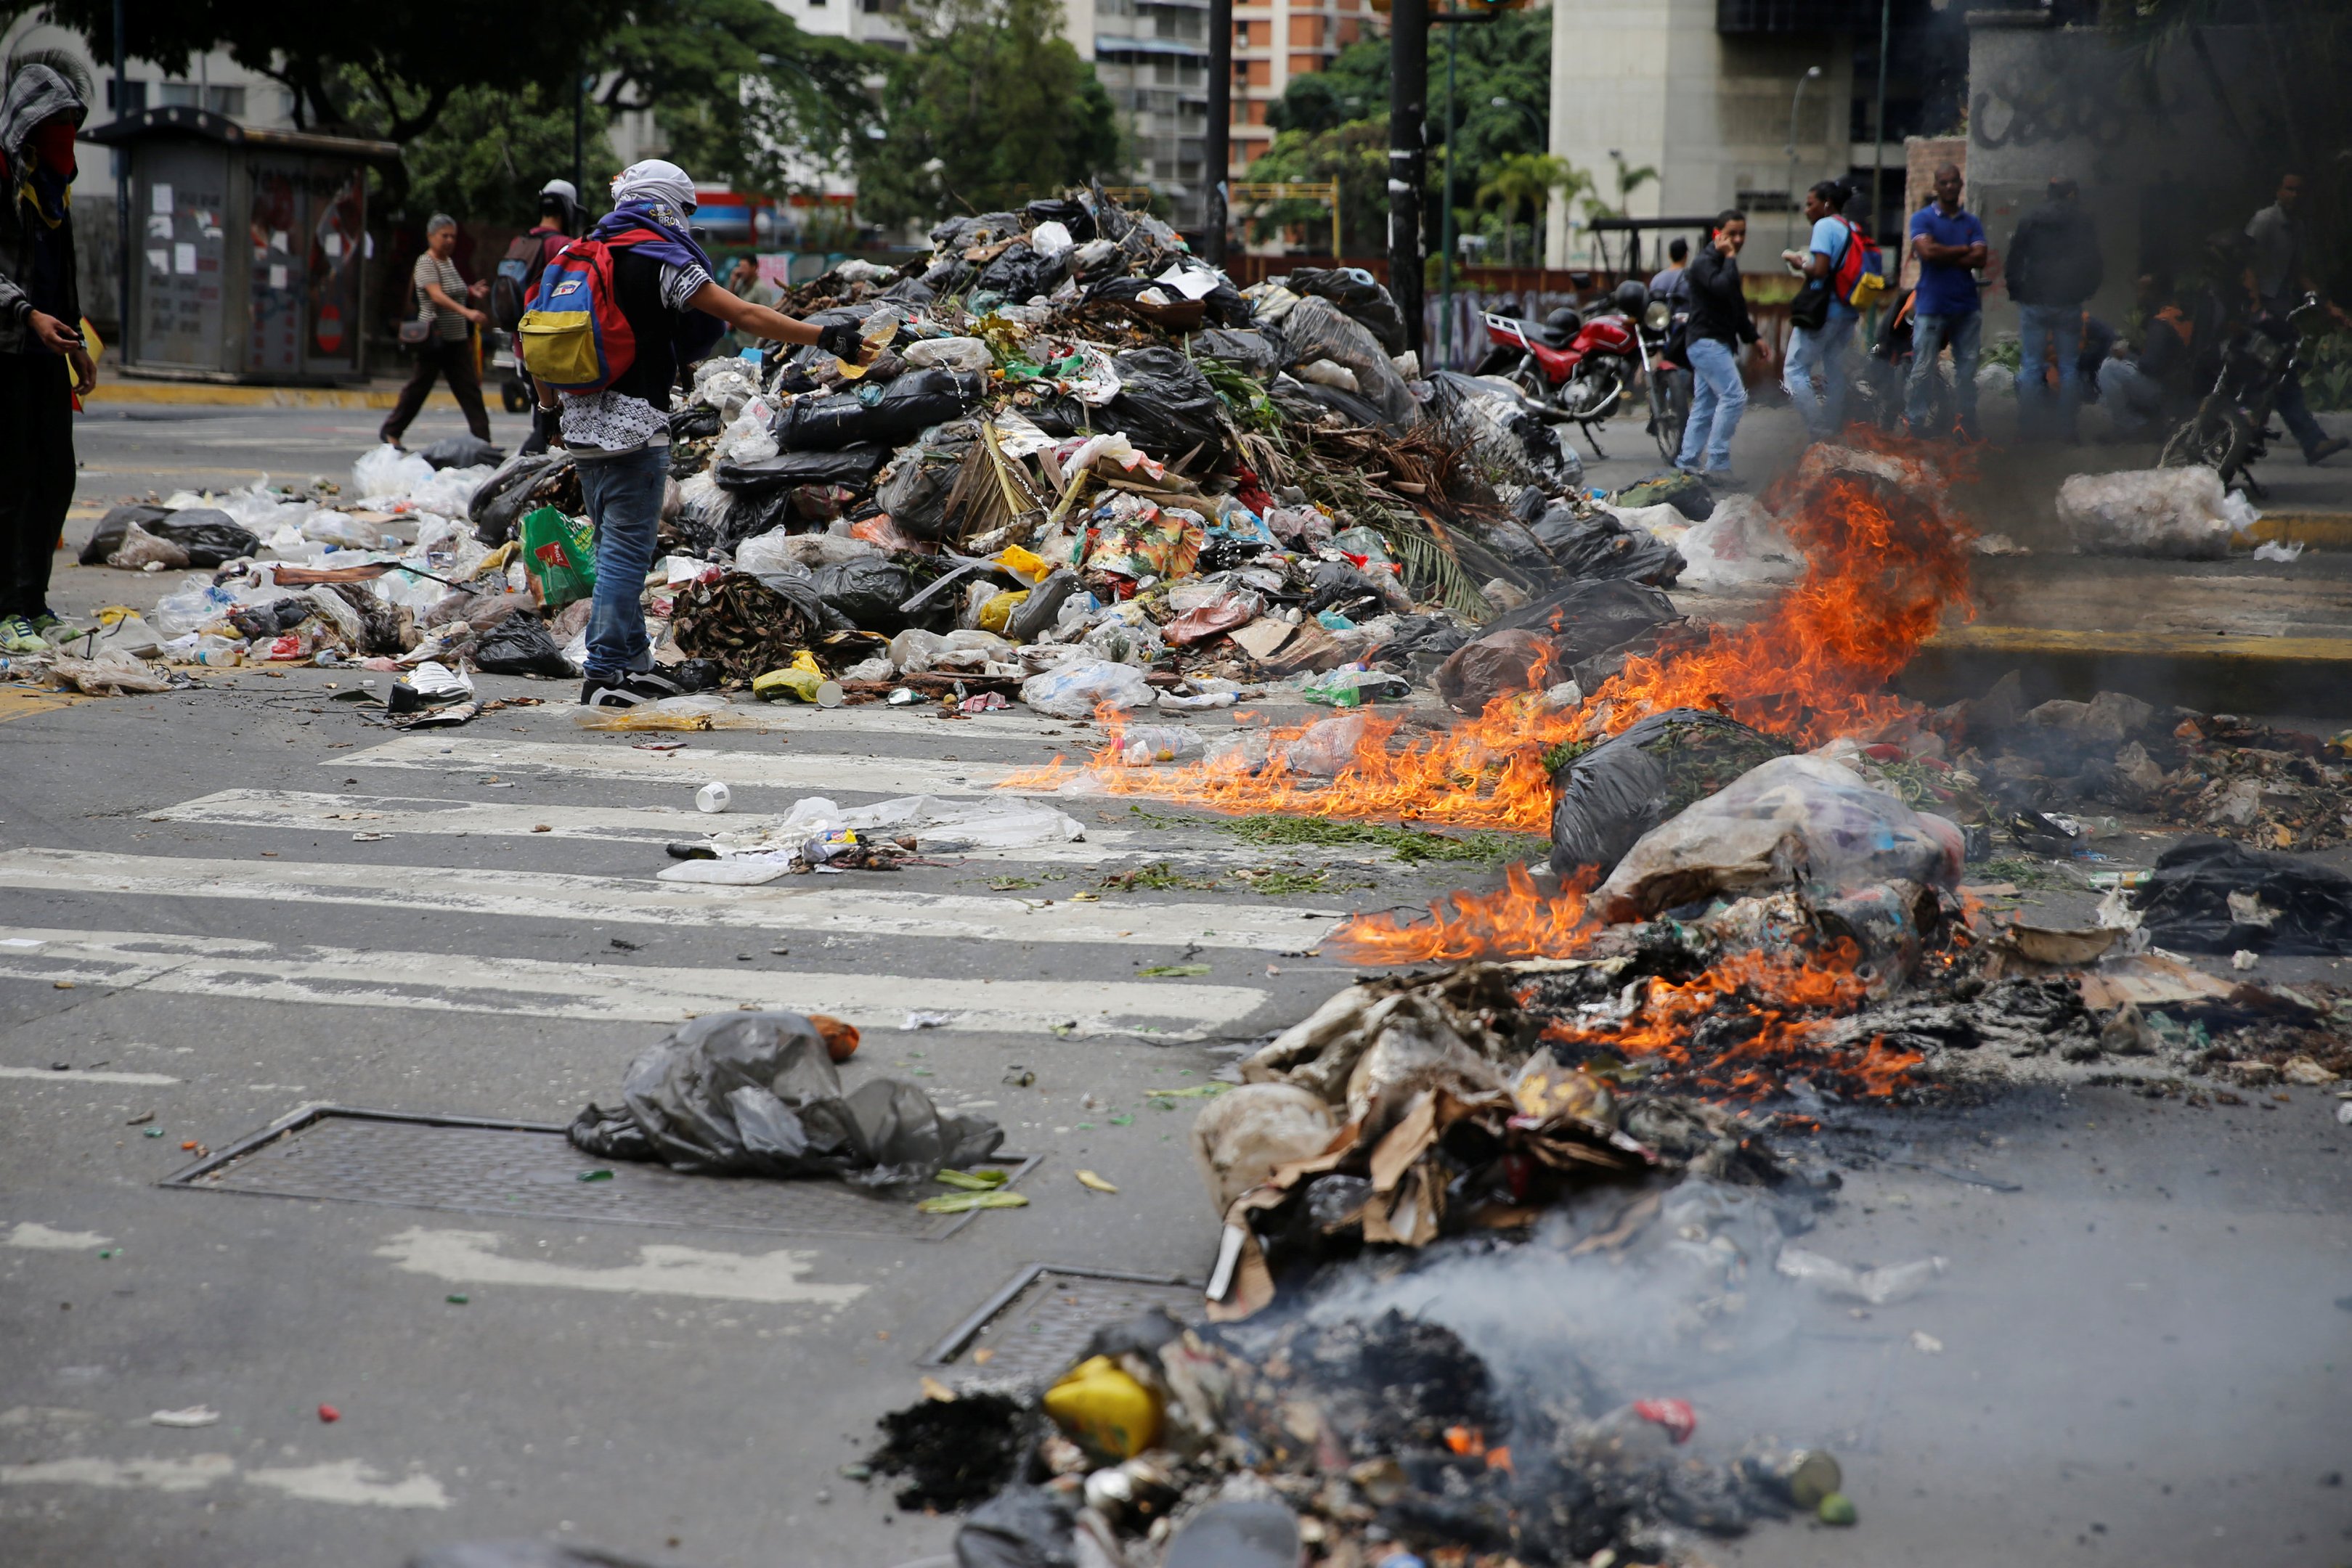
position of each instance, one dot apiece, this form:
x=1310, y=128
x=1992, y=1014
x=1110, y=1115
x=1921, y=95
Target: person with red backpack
x=518, y=271
x=1838, y=255
x=620, y=315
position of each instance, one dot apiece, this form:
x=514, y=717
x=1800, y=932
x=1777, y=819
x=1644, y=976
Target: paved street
x=226, y=904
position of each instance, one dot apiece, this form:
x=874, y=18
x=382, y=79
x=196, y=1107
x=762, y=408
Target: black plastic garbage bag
x=1340, y=585
x=757, y=1094
x=916, y=493
x=1060, y=415
x=693, y=424
x=211, y=538
x=1600, y=546
x=898, y=412
x=523, y=486
x=273, y=618
x=462, y=452
x=111, y=528
x=868, y=590
x=1022, y=273
x=1592, y=616
x=1168, y=409
x=520, y=645
x=1020, y=1527
x=853, y=465
x=1516, y=445
x=1071, y=214
x=1420, y=643
x=956, y=235
x=1355, y=291
x=949, y=275
x=1604, y=800
x=1258, y=350
x=1498, y=664
x=1315, y=328
x=1310, y=399
x=2298, y=906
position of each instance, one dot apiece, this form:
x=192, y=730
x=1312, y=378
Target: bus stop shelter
x=248, y=249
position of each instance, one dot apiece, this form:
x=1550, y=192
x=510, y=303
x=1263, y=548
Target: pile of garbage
x=1461, y=1400
x=1079, y=470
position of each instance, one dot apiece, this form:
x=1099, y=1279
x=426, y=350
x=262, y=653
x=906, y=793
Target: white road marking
x=354, y=1483
x=808, y=771
x=770, y=1279
x=194, y=1473
x=351, y=1482
x=38, y=1238
x=86, y=1075
x=791, y=902
x=176, y=965
x=300, y=810
x=1014, y=724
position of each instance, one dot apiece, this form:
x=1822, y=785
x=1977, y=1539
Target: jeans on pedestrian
x=2038, y=328
x=1815, y=375
x=1930, y=334
x=625, y=498
x=2134, y=399
x=1717, y=401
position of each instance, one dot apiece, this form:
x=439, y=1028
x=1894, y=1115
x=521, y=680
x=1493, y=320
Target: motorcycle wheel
x=1528, y=377
x=1669, y=413
x=2218, y=437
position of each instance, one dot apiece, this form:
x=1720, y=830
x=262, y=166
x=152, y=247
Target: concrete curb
x=2313, y=530
x=207, y=394
x=2305, y=675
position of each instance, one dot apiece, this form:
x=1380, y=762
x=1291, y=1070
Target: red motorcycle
x=1584, y=362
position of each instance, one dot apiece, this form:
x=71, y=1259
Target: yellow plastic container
x=997, y=614
x=1028, y=564
x=1102, y=1408
x=800, y=679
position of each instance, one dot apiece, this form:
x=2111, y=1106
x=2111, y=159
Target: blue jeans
x=1965, y=333
x=1717, y=401
x=624, y=500
x=2038, y=327
x=1816, y=370
x=2133, y=399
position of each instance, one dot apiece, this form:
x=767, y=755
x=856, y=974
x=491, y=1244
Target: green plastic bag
x=559, y=554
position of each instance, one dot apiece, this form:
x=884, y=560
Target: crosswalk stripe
x=808, y=770
x=296, y=811
x=799, y=903
x=243, y=971
x=918, y=723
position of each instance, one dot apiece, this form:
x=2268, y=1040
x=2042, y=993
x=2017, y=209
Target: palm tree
x=1526, y=178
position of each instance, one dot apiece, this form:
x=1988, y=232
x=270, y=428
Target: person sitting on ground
x=619, y=436
x=2142, y=390
x=447, y=305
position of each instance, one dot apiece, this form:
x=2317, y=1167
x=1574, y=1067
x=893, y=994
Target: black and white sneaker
x=632, y=689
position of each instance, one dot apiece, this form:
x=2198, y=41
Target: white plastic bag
x=776, y=550
x=141, y=550
x=1792, y=821
x=386, y=474
x=1073, y=689
x=2181, y=514
x=748, y=439
x=954, y=353
x=1050, y=238
x=1123, y=642
x=449, y=493
x=1738, y=544
x=197, y=604
x=342, y=532
x=1328, y=747
x=915, y=649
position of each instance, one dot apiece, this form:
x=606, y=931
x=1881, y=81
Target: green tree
x=1526, y=179
x=489, y=152
x=990, y=107
x=1356, y=155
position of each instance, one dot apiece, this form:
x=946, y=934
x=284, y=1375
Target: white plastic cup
x=713, y=797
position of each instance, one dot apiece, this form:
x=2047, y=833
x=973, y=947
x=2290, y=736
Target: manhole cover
x=1032, y=1330
x=530, y=1170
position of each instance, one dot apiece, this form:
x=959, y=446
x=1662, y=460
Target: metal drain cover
x=530, y=1170
x=1032, y=1329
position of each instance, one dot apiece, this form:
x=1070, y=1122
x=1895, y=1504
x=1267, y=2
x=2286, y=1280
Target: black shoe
x=2326, y=449
x=632, y=689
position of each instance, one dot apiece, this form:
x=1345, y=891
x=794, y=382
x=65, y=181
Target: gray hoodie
x=34, y=94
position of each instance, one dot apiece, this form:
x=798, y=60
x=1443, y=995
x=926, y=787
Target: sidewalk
x=378, y=393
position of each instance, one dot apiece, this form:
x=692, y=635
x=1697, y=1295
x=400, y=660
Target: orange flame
x=1885, y=559
x=1516, y=921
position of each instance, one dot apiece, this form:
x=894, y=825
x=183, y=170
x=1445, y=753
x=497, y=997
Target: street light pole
x=1408, y=156
x=1812, y=73
x=122, y=195
x=1878, y=115
x=1445, y=264
x=1216, y=147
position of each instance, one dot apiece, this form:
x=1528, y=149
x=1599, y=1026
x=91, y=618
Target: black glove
x=842, y=340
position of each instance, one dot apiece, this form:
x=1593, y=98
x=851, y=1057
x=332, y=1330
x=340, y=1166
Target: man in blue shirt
x=1950, y=245
x=1814, y=374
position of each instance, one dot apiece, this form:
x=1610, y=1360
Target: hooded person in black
x=43, y=360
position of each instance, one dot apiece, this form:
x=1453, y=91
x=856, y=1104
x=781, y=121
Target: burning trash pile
x=1382, y=1379
x=1080, y=470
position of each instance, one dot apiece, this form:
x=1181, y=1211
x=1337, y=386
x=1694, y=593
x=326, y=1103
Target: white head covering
x=563, y=188
x=653, y=181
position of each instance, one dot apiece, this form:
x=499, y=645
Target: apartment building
x=1275, y=40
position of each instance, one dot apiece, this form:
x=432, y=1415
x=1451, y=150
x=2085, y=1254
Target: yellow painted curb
x=210, y=395
x=15, y=701
x=2313, y=530
x=2028, y=642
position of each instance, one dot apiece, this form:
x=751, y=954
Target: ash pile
x=1081, y=470
x=1462, y=1289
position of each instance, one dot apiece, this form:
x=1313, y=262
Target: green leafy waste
x=1173, y=971
x=1410, y=845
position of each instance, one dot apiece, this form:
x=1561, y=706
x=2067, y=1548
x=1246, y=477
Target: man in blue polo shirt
x=1950, y=245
